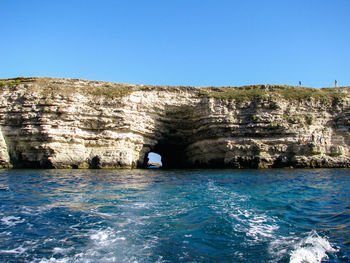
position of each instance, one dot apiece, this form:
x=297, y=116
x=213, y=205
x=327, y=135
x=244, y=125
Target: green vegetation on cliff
x=246, y=93
x=67, y=87
x=9, y=83
x=110, y=91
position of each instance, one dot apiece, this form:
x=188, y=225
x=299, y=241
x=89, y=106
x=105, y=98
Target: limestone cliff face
x=66, y=123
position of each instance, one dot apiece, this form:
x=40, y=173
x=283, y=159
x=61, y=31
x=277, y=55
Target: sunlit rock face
x=67, y=123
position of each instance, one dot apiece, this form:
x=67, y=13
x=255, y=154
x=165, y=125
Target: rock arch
x=63, y=123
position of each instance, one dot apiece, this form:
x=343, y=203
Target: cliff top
x=66, y=86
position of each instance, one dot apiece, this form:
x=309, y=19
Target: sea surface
x=157, y=215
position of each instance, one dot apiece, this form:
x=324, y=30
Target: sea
x=158, y=215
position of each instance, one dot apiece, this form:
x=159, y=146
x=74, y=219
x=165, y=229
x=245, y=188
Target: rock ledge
x=73, y=123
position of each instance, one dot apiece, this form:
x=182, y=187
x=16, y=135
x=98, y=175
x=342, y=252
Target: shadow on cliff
x=174, y=133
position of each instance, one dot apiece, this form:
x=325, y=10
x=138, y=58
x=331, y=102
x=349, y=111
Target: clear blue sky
x=154, y=158
x=178, y=42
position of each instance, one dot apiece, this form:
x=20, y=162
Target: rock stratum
x=73, y=123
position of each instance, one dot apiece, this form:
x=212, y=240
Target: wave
x=11, y=220
x=259, y=227
x=255, y=225
x=311, y=249
x=17, y=250
x=206, y=222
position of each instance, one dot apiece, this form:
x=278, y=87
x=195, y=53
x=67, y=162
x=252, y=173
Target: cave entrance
x=172, y=154
x=154, y=160
x=168, y=156
x=174, y=135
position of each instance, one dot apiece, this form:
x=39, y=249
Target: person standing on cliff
x=299, y=83
x=336, y=83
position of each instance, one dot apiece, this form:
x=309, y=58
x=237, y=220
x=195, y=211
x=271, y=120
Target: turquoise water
x=175, y=215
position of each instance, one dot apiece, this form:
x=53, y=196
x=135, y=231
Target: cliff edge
x=74, y=123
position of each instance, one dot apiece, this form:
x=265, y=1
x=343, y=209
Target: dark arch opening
x=173, y=154
x=95, y=163
x=174, y=134
x=154, y=160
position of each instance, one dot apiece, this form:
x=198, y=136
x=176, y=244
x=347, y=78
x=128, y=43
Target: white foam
x=312, y=249
x=103, y=215
x=102, y=248
x=253, y=223
x=106, y=237
x=142, y=205
x=11, y=220
x=59, y=250
x=279, y=247
x=35, y=210
x=18, y=250
x=239, y=254
x=53, y=260
x=100, y=236
x=4, y=187
x=5, y=233
x=259, y=227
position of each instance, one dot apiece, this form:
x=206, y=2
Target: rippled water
x=175, y=215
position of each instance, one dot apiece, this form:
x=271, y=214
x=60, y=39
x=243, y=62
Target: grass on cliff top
x=87, y=87
x=110, y=91
x=247, y=93
x=68, y=87
x=48, y=87
x=9, y=83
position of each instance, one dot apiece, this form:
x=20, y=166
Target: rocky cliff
x=73, y=123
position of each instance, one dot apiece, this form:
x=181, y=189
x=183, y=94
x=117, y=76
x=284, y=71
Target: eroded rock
x=66, y=123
